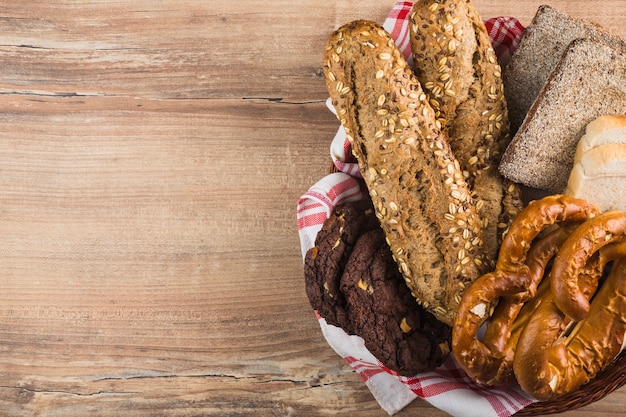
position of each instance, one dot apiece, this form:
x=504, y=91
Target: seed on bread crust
x=460, y=72
x=423, y=179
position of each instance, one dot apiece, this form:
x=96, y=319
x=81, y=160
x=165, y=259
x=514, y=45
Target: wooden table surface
x=151, y=157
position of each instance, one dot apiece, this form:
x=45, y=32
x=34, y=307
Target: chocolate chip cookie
x=354, y=283
x=324, y=264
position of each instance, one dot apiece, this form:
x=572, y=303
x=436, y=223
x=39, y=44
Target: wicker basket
x=612, y=378
x=609, y=380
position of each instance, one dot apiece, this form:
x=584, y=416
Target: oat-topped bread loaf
x=455, y=62
x=589, y=81
x=541, y=47
x=416, y=184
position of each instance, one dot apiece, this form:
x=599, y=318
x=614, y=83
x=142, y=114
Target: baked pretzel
x=510, y=315
x=511, y=281
x=535, y=218
x=584, y=242
x=549, y=363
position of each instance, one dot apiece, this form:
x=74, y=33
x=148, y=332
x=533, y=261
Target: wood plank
x=152, y=157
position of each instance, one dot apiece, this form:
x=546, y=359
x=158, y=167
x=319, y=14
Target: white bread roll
x=599, y=177
x=604, y=130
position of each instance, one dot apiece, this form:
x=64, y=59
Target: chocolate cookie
x=383, y=312
x=354, y=283
x=325, y=262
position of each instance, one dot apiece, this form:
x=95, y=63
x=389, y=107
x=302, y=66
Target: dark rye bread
x=455, y=62
x=540, y=49
x=417, y=186
x=589, y=81
x=354, y=283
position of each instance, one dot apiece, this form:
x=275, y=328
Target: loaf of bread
x=589, y=81
x=454, y=61
x=417, y=186
x=541, y=47
x=599, y=172
x=604, y=130
x=599, y=176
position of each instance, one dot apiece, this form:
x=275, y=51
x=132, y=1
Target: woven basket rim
x=610, y=379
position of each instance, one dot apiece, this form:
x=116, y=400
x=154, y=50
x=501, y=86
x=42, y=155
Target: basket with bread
x=484, y=230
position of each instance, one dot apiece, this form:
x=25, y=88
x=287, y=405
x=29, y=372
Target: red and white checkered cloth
x=448, y=387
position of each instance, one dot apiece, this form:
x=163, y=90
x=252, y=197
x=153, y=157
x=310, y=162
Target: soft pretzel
x=608, y=227
x=512, y=280
x=511, y=314
x=547, y=364
x=536, y=217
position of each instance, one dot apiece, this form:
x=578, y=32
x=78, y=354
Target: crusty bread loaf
x=443, y=45
x=589, y=81
x=540, y=48
x=455, y=62
x=417, y=186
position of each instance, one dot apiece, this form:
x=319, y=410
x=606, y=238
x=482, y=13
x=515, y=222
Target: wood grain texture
x=151, y=157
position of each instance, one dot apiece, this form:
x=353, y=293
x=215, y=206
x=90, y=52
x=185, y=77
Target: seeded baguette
x=455, y=62
x=417, y=186
x=443, y=46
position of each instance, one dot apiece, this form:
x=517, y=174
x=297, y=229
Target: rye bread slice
x=540, y=49
x=589, y=81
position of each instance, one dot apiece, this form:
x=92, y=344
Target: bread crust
x=541, y=47
x=442, y=46
x=589, y=81
x=454, y=60
x=415, y=182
